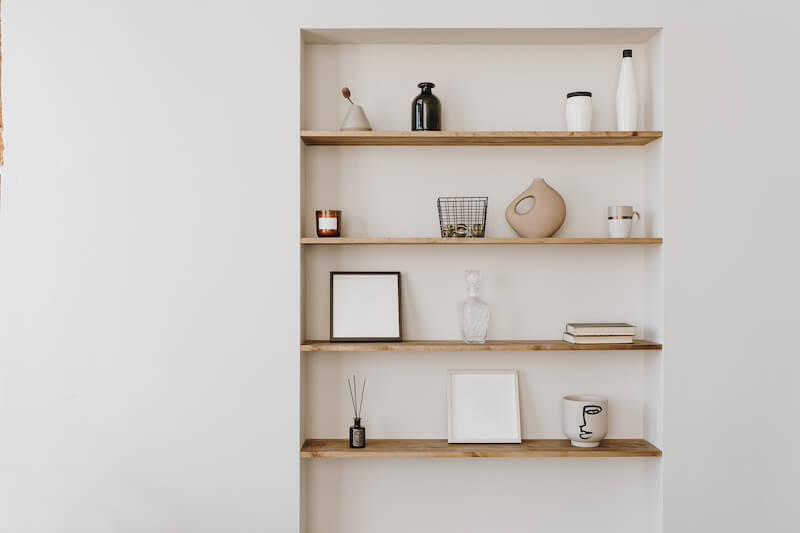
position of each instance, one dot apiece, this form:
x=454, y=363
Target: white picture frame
x=483, y=406
x=365, y=307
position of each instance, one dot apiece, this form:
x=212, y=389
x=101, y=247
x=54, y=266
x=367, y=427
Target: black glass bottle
x=358, y=434
x=426, y=110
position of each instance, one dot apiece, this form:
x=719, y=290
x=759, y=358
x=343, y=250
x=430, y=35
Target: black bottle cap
x=426, y=84
x=579, y=93
x=627, y=53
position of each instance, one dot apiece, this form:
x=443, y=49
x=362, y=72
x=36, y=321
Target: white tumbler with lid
x=579, y=111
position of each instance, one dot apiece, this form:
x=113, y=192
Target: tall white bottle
x=627, y=100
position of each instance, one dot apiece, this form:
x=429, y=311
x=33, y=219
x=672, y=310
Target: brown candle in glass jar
x=329, y=222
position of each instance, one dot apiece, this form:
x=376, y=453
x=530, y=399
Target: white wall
x=146, y=380
x=731, y=285
x=148, y=270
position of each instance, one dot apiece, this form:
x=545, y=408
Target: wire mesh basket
x=462, y=216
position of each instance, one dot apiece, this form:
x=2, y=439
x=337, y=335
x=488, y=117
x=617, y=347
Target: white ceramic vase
x=627, y=99
x=355, y=120
x=584, y=419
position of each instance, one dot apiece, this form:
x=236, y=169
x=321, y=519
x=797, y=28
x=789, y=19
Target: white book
x=601, y=328
x=598, y=339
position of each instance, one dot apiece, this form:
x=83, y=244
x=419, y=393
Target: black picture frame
x=365, y=338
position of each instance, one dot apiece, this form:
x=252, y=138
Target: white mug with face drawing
x=584, y=419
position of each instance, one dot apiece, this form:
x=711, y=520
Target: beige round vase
x=546, y=216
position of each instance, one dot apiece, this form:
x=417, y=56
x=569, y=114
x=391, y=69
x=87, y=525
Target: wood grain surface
x=476, y=241
x=460, y=346
x=424, y=448
x=485, y=138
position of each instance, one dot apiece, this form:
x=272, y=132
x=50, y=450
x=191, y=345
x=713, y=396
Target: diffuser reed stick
x=354, y=396
x=361, y=403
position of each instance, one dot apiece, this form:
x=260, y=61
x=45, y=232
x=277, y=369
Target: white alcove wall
x=487, y=80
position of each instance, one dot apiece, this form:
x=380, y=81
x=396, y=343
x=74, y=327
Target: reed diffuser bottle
x=358, y=433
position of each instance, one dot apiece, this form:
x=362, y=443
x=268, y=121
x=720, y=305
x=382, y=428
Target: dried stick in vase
x=346, y=94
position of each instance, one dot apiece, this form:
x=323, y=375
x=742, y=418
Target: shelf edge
x=478, y=138
x=340, y=241
x=458, y=346
x=439, y=449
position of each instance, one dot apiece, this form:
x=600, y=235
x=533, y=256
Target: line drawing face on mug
x=591, y=410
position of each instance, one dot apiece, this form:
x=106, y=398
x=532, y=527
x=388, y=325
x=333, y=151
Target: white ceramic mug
x=620, y=221
x=584, y=419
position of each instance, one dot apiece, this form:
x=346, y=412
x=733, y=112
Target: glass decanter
x=474, y=312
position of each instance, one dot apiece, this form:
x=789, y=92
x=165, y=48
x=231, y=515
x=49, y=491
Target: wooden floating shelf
x=418, y=449
x=472, y=240
x=460, y=346
x=480, y=138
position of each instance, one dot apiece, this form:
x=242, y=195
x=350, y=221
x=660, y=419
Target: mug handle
x=638, y=216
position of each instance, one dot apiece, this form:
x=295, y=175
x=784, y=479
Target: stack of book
x=599, y=333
